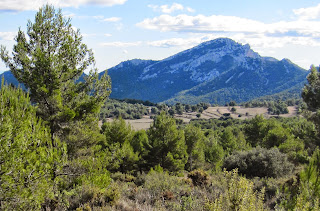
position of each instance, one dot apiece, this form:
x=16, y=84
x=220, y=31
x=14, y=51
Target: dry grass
x=137, y=124
x=140, y=124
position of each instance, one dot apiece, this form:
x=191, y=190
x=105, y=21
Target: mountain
x=9, y=78
x=216, y=71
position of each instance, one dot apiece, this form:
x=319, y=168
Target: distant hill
x=216, y=71
x=9, y=78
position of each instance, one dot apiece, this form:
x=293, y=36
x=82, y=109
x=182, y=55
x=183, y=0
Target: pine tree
x=194, y=138
x=311, y=96
x=50, y=60
x=166, y=144
x=117, y=148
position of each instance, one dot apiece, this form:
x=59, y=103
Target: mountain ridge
x=214, y=71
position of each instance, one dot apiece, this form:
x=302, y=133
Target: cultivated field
x=212, y=112
x=240, y=113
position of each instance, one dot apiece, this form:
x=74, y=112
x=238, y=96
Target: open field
x=212, y=112
x=240, y=113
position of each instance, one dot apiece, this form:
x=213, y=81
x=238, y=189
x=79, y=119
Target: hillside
x=216, y=71
x=10, y=79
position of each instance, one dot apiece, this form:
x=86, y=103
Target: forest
x=55, y=156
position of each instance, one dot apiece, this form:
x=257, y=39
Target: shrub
x=122, y=177
x=226, y=114
x=88, y=196
x=29, y=156
x=259, y=162
x=199, y=177
x=239, y=194
x=160, y=186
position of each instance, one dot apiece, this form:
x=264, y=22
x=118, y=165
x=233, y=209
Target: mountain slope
x=216, y=71
x=9, y=78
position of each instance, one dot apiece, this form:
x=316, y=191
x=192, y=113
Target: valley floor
x=212, y=112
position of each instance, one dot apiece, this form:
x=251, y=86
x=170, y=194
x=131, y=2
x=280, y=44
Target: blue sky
x=119, y=30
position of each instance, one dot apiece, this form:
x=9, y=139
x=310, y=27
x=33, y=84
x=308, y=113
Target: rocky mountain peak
x=204, y=61
x=216, y=68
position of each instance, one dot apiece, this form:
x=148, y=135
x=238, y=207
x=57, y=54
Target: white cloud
x=89, y=35
x=176, y=42
x=309, y=13
x=121, y=44
x=201, y=23
x=261, y=41
x=108, y=35
x=112, y=19
x=8, y=36
x=189, y=9
x=68, y=15
x=170, y=9
x=20, y=5
x=234, y=25
x=99, y=17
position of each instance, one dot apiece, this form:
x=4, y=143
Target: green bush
x=87, y=197
x=158, y=183
x=259, y=162
x=238, y=194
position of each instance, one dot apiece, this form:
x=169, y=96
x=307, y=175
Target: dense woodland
x=54, y=155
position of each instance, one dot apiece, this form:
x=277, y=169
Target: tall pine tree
x=50, y=60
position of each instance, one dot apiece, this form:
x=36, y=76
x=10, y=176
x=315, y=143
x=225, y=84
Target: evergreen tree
x=194, y=139
x=166, y=144
x=255, y=130
x=140, y=144
x=232, y=139
x=29, y=163
x=311, y=95
x=120, y=154
x=50, y=60
x=117, y=131
x=214, y=152
x=311, y=91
